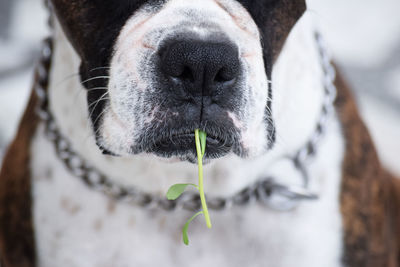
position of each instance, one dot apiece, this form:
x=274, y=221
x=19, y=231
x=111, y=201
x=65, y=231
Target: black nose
x=201, y=67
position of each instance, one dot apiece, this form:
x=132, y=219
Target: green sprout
x=177, y=190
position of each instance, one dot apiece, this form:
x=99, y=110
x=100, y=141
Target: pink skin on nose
x=246, y=140
x=236, y=122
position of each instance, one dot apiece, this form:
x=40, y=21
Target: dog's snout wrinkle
x=238, y=20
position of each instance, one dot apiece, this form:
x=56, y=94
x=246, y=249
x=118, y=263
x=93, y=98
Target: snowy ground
x=364, y=36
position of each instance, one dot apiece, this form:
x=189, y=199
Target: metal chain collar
x=266, y=191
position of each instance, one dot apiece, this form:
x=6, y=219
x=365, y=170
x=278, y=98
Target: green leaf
x=177, y=190
x=186, y=227
x=203, y=140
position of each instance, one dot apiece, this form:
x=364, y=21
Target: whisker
x=67, y=78
x=91, y=134
x=98, y=117
x=102, y=98
x=97, y=88
x=95, y=78
x=99, y=68
x=92, y=89
x=97, y=131
x=77, y=74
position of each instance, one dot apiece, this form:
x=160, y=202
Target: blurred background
x=364, y=36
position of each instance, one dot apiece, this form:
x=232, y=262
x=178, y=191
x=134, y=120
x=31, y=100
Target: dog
x=149, y=73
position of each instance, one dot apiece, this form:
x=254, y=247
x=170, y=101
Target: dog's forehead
x=94, y=25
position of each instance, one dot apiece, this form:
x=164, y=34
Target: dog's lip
x=211, y=140
x=184, y=144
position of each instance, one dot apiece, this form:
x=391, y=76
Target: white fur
x=131, y=86
x=78, y=227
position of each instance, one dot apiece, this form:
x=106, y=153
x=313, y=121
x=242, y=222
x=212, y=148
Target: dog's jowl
x=291, y=173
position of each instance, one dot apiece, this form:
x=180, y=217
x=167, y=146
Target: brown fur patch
x=280, y=22
x=17, y=246
x=367, y=199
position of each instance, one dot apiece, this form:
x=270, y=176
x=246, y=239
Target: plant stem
x=201, y=184
x=186, y=227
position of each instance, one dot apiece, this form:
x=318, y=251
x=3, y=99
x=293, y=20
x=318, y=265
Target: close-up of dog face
x=157, y=70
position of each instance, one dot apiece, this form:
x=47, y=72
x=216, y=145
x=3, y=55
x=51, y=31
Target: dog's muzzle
x=199, y=78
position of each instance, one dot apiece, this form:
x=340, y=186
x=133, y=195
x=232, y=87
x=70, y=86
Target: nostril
x=224, y=75
x=186, y=75
x=220, y=77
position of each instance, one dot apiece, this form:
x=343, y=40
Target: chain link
x=308, y=151
x=265, y=191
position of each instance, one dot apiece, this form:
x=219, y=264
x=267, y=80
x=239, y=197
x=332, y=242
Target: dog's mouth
x=183, y=146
